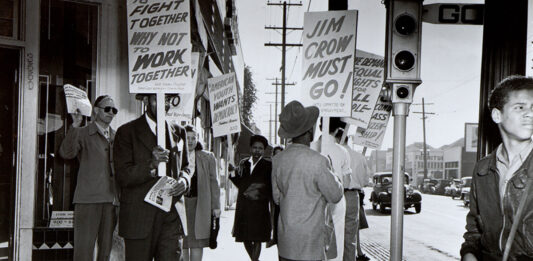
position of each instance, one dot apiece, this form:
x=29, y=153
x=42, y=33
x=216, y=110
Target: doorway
x=9, y=75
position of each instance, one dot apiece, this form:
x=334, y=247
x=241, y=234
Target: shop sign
x=328, y=57
x=441, y=13
x=224, y=104
x=62, y=219
x=159, y=46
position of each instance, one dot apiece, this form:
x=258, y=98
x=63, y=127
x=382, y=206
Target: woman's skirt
x=190, y=241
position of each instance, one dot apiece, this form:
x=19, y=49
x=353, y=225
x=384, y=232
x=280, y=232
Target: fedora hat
x=140, y=96
x=295, y=119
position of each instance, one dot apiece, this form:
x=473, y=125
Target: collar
x=252, y=161
x=102, y=128
x=521, y=156
x=152, y=124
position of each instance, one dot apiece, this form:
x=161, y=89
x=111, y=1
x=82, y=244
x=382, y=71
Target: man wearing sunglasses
x=95, y=196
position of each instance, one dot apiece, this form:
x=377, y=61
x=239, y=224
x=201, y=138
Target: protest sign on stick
x=77, y=100
x=368, y=80
x=159, y=46
x=373, y=135
x=224, y=104
x=182, y=105
x=328, y=57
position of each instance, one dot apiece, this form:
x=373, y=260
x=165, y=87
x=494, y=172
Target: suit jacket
x=96, y=183
x=134, y=142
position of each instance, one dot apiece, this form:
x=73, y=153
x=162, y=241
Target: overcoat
x=252, y=217
x=208, y=193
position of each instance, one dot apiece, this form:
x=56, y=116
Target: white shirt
x=192, y=162
x=360, y=170
x=152, y=124
x=339, y=158
x=104, y=131
x=252, y=165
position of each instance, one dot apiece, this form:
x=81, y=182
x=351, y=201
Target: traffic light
x=404, y=26
x=402, y=93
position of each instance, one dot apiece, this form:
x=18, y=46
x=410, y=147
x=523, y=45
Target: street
x=434, y=234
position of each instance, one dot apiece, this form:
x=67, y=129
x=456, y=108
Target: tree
x=249, y=97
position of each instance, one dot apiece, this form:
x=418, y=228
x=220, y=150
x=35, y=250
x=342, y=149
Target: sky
x=450, y=65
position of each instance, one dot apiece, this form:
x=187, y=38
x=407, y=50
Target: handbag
x=215, y=226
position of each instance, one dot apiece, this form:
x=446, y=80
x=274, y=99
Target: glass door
x=9, y=74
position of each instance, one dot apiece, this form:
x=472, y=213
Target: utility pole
x=424, y=131
x=270, y=125
x=277, y=83
x=283, y=43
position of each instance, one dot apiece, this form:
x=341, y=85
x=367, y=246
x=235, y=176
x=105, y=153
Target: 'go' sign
x=453, y=14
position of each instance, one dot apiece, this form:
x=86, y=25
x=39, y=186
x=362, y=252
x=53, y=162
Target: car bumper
x=385, y=199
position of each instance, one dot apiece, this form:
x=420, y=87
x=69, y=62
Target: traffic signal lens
x=402, y=92
x=404, y=60
x=405, y=24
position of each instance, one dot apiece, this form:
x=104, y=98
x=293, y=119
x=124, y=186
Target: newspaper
x=158, y=194
x=77, y=99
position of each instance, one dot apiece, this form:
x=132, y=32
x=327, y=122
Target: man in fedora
x=148, y=231
x=302, y=184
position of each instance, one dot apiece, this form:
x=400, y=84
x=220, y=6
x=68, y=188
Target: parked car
x=382, y=193
x=440, y=186
x=465, y=186
x=454, y=189
x=427, y=185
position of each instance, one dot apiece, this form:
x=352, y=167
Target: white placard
x=372, y=136
x=159, y=46
x=182, y=106
x=328, y=57
x=77, y=99
x=368, y=79
x=224, y=104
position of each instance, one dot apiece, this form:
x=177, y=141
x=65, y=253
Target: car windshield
x=387, y=179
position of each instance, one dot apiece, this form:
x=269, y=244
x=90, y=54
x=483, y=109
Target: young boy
x=499, y=180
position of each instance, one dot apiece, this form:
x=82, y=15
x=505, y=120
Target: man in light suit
x=148, y=231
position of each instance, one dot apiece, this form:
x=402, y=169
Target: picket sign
x=161, y=134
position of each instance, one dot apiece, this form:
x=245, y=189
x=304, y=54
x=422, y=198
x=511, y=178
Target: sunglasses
x=109, y=109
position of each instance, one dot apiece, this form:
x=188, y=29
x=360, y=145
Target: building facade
x=46, y=44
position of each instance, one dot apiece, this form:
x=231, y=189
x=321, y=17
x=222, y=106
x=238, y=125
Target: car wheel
x=418, y=207
x=453, y=196
x=382, y=208
x=374, y=205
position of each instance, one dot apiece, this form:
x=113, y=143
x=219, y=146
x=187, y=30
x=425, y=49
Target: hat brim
x=140, y=96
x=312, y=113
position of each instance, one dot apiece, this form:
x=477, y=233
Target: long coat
x=252, y=217
x=208, y=193
x=132, y=152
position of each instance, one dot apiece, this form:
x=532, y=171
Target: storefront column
x=26, y=148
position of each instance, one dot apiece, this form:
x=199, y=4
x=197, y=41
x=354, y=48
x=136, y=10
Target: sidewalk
x=229, y=250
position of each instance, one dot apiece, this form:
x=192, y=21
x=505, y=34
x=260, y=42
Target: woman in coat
x=252, y=216
x=203, y=199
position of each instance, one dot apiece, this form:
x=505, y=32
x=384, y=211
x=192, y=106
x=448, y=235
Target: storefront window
x=67, y=56
x=9, y=18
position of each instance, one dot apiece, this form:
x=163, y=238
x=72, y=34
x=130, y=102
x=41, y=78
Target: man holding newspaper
x=148, y=230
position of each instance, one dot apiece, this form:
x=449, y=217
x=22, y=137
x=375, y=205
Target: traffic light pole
x=400, y=112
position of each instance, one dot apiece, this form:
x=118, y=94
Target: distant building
x=414, y=162
x=457, y=162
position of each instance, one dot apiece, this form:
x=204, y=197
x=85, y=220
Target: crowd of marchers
x=306, y=199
